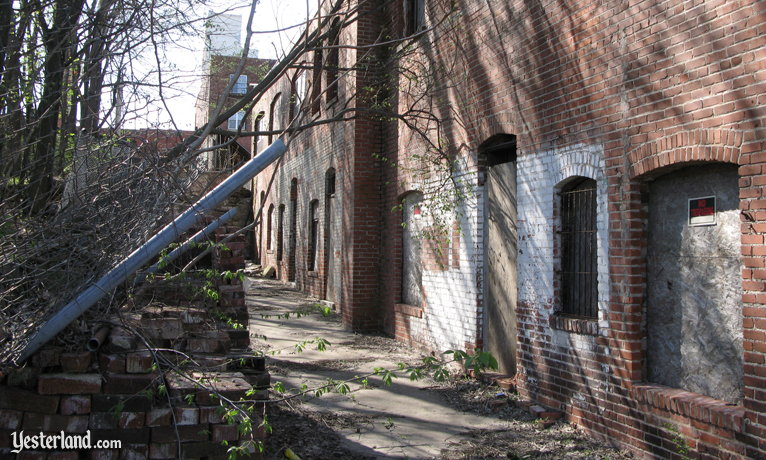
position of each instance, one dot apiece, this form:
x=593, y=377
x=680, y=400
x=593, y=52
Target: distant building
x=221, y=58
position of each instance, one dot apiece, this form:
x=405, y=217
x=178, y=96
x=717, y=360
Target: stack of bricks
x=76, y=394
x=231, y=254
x=115, y=393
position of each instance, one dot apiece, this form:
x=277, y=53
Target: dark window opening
x=579, y=281
x=498, y=149
x=293, y=237
x=316, y=82
x=313, y=234
x=270, y=217
x=415, y=16
x=330, y=182
x=280, y=231
x=333, y=61
x=273, y=122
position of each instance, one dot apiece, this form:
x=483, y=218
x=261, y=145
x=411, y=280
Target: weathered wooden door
x=331, y=284
x=500, y=249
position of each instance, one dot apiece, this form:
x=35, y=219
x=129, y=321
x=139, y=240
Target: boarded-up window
x=579, y=282
x=694, y=324
x=412, y=265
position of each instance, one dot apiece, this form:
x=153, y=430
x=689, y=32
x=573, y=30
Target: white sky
x=182, y=86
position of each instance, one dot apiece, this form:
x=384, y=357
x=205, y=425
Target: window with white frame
x=240, y=86
x=236, y=121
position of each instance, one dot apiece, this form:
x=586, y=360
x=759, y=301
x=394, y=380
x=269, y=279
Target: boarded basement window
x=579, y=282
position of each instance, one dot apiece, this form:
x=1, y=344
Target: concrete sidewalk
x=404, y=420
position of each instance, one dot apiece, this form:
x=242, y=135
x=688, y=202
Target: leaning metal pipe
x=151, y=248
x=201, y=235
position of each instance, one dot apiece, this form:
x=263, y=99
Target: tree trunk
x=57, y=39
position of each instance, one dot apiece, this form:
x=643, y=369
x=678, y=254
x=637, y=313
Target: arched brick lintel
x=684, y=147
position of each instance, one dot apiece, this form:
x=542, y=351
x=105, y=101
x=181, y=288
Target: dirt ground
x=315, y=429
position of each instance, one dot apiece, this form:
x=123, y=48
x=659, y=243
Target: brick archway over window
x=686, y=147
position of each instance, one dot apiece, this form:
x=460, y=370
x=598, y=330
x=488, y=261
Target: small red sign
x=702, y=211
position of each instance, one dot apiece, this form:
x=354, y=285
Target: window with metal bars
x=579, y=265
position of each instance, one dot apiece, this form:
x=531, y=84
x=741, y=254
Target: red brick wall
x=349, y=148
x=654, y=84
x=219, y=69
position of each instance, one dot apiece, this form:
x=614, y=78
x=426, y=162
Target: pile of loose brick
x=127, y=391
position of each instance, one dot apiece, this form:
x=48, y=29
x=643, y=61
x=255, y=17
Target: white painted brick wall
x=538, y=176
x=454, y=297
x=450, y=317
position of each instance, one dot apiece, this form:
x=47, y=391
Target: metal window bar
x=579, y=282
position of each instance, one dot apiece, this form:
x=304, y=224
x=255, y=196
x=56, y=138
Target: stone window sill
x=409, y=310
x=573, y=324
x=312, y=274
x=692, y=405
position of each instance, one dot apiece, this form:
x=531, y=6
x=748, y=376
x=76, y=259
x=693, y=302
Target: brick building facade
x=220, y=67
x=589, y=180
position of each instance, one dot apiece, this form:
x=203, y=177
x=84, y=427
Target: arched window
x=578, y=248
x=293, y=237
x=313, y=229
x=273, y=117
x=280, y=231
x=270, y=219
x=333, y=61
x=316, y=81
x=298, y=94
x=257, y=127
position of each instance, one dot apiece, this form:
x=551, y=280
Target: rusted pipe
x=98, y=338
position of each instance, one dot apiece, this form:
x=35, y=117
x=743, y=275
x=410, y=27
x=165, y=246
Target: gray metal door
x=500, y=249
